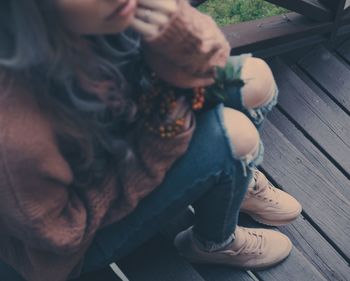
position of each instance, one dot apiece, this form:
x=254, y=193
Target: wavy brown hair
x=72, y=77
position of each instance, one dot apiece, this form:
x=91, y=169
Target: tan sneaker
x=269, y=205
x=251, y=249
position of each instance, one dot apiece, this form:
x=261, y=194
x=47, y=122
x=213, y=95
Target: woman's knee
x=242, y=132
x=260, y=86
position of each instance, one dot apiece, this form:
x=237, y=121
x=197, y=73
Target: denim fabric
x=235, y=99
x=208, y=176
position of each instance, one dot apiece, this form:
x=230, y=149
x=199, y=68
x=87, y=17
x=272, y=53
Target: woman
x=100, y=145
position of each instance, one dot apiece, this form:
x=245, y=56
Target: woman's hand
x=181, y=45
x=152, y=16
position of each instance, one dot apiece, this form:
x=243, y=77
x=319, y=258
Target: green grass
x=232, y=11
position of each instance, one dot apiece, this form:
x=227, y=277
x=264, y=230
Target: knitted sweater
x=46, y=224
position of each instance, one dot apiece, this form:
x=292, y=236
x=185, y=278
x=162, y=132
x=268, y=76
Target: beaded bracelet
x=160, y=99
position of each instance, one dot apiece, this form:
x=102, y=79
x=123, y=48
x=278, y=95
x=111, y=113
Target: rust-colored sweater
x=46, y=226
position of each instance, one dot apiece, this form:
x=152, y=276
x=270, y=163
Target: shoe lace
x=254, y=241
x=263, y=188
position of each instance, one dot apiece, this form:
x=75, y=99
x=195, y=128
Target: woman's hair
x=71, y=77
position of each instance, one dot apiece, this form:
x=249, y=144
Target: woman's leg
x=209, y=164
x=259, y=94
x=215, y=236
x=211, y=239
x=256, y=99
x=217, y=211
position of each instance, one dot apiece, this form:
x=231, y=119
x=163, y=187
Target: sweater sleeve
x=191, y=45
x=39, y=205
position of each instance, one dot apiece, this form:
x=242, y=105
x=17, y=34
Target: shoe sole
x=257, y=267
x=272, y=222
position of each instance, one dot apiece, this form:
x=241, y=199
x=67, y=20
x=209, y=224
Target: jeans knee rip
x=249, y=161
x=258, y=114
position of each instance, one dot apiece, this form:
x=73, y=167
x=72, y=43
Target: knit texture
x=186, y=51
x=46, y=222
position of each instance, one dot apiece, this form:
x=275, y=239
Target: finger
x=210, y=61
x=148, y=30
x=165, y=6
x=202, y=67
x=150, y=16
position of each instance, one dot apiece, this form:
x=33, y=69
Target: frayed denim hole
x=239, y=60
x=229, y=143
x=214, y=246
x=251, y=161
x=248, y=161
x=258, y=114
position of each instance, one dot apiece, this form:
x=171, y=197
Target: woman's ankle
x=210, y=246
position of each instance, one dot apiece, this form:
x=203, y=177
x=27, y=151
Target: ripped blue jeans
x=208, y=176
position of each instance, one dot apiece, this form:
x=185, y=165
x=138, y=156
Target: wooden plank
x=272, y=31
x=297, y=54
x=312, y=9
x=288, y=47
x=315, y=156
x=329, y=72
x=304, y=236
x=296, y=267
x=323, y=121
x=157, y=260
x=317, y=250
x=222, y=273
x=321, y=201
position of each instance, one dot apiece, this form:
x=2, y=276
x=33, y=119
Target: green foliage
x=227, y=76
x=232, y=11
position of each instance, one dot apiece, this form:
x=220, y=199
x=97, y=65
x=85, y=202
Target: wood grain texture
x=269, y=32
x=304, y=236
x=222, y=273
x=332, y=74
x=317, y=250
x=296, y=267
x=327, y=207
x=310, y=151
x=310, y=243
x=323, y=121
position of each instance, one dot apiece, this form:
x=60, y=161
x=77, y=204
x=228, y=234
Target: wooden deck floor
x=307, y=141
